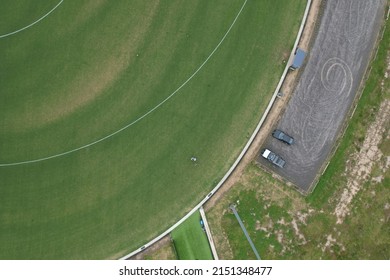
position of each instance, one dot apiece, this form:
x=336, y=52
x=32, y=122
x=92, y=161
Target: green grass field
x=191, y=241
x=285, y=225
x=92, y=67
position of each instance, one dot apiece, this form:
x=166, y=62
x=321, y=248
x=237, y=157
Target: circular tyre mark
x=336, y=78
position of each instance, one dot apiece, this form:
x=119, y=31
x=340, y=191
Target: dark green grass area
x=190, y=240
x=92, y=67
x=16, y=15
x=286, y=225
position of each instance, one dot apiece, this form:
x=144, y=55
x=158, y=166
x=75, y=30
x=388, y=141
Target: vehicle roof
x=299, y=58
x=266, y=152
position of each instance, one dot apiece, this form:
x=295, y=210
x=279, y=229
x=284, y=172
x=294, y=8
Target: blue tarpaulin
x=298, y=59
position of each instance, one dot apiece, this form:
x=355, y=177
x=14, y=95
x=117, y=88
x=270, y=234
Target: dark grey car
x=280, y=135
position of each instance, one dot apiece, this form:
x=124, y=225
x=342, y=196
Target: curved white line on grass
x=35, y=22
x=141, y=117
x=244, y=150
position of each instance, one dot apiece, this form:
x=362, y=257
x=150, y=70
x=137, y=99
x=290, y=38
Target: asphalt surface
x=328, y=85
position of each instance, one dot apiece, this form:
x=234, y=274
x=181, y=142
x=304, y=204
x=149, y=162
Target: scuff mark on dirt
x=330, y=242
x=387, y=72
x=298, y=232
x=377, y=179
x=302, y=216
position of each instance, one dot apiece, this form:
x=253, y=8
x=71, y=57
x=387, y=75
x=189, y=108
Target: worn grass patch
x=166, y=252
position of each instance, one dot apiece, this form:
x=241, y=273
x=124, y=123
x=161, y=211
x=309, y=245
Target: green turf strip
x=92, y=67
x=191, y=241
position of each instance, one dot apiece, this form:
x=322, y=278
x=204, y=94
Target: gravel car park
x=326, y=89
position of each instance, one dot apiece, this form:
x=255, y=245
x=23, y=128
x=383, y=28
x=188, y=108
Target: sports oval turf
x=92, y=67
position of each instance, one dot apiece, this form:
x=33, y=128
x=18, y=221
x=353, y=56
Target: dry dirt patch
x=365, y=160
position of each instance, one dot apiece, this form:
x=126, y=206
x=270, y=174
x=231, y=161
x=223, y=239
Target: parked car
x=202, y=225
x=280, y=135
x=274, y=158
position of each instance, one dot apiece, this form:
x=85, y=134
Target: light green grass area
x=191, y=241
x=92, y=67
x=285, y=225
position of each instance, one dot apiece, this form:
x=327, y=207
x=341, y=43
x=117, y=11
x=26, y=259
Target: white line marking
x=330, y=64
x=248, y=144
x=141, y=117
x=208, y=233
x=35, y=22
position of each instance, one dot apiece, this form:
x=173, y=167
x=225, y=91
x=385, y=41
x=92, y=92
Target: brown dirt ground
x=157, y=249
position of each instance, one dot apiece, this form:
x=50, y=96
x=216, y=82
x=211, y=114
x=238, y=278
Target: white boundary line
x=208, y=233
x=141, y=117
x=35, y=22
x=270, y=104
